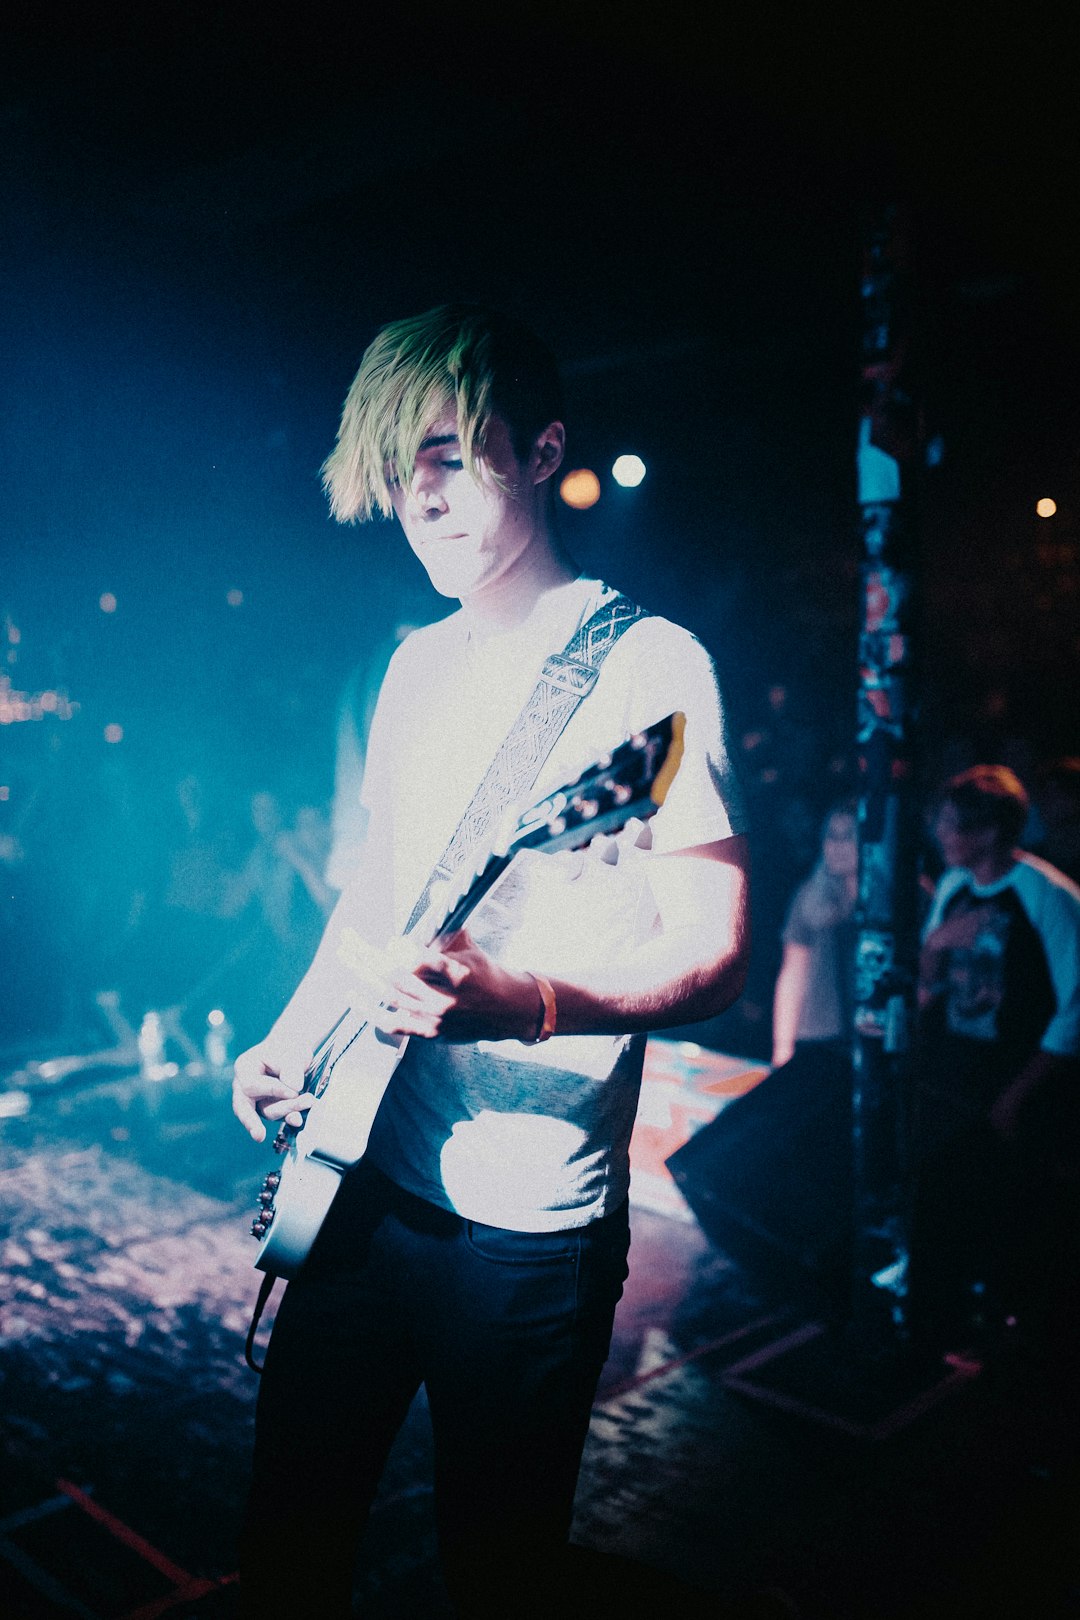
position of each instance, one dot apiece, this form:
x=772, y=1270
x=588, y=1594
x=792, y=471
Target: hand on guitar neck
x=266, y=1086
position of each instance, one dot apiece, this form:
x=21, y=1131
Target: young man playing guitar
x=479, y=1246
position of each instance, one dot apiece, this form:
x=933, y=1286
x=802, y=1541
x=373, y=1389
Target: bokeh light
x=1046, y=507
x=114, y=733
x=234, y=597
x=580, y=488
x=628, y=471
x=107, y=602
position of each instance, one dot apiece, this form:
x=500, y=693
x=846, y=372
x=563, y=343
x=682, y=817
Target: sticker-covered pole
x=889, y=461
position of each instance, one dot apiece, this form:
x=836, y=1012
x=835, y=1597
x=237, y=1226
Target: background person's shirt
x=820, y=918
x=1014, y=990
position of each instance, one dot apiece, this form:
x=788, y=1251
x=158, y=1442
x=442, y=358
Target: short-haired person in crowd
x=812, y=999
x=480, y=1246
x=998, y=1065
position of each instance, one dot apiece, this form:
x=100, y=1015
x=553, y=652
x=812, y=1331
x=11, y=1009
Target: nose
x=426, y=496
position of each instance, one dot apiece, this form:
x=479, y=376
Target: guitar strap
x=565, y=679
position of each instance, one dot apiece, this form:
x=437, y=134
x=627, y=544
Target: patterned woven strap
x=565, y=679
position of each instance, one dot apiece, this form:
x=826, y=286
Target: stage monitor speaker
x=770, y=1179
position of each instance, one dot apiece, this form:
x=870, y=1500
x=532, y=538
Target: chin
x=459, y=582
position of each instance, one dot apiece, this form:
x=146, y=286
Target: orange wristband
x=547, y=996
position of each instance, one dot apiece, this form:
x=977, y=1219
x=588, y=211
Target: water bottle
x=151, y=1045
x=219, y=1033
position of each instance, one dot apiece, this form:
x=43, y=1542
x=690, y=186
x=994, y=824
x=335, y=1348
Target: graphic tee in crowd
x=511, y=1135
x=1015, y=989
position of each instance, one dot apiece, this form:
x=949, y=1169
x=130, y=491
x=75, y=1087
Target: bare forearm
x=691, y=969
x=786, y=1005
x=675, y=978
x=789, y=998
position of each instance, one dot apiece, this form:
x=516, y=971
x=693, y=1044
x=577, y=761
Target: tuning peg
x=643, y=834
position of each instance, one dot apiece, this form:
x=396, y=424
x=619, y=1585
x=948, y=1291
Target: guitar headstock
x=632, y=781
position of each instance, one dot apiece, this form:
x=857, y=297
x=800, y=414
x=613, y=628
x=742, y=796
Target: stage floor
x=126, y=1283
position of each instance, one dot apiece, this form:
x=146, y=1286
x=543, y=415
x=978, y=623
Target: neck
x=992, y=866
x=509, y=601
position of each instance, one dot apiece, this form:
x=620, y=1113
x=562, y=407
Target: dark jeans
x=508, y=1331
x=1000, y=1218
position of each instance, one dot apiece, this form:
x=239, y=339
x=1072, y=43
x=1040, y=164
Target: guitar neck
x=478, y=890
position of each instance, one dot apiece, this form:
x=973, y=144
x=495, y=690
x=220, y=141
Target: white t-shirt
x=530, y=1138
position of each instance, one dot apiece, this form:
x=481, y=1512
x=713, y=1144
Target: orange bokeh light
x=580, y=488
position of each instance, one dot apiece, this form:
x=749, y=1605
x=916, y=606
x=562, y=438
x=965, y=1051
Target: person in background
x=812, y=1000
x=305, y=847
x=998, y=1070
x=279, y=902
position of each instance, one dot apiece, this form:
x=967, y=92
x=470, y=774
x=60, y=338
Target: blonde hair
x=457, y=357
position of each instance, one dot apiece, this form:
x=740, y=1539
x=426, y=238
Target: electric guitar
x=352, y=1066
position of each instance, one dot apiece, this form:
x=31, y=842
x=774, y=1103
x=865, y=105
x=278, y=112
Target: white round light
x=628, y=471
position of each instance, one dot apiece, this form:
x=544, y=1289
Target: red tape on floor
x=183, y=1594
x=628, y=1384
x=123, y=1532
x=186, y=1587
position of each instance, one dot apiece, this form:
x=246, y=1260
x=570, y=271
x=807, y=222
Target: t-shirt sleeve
x=1058, y=922
x=674, y=672
x=798, y=928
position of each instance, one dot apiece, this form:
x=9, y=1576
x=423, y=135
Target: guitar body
x=352, y=1067
x=314, y=1157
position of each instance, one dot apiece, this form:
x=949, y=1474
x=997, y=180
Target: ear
x=548, y=451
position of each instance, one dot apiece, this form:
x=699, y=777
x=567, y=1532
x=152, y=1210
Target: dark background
x=206, y=214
